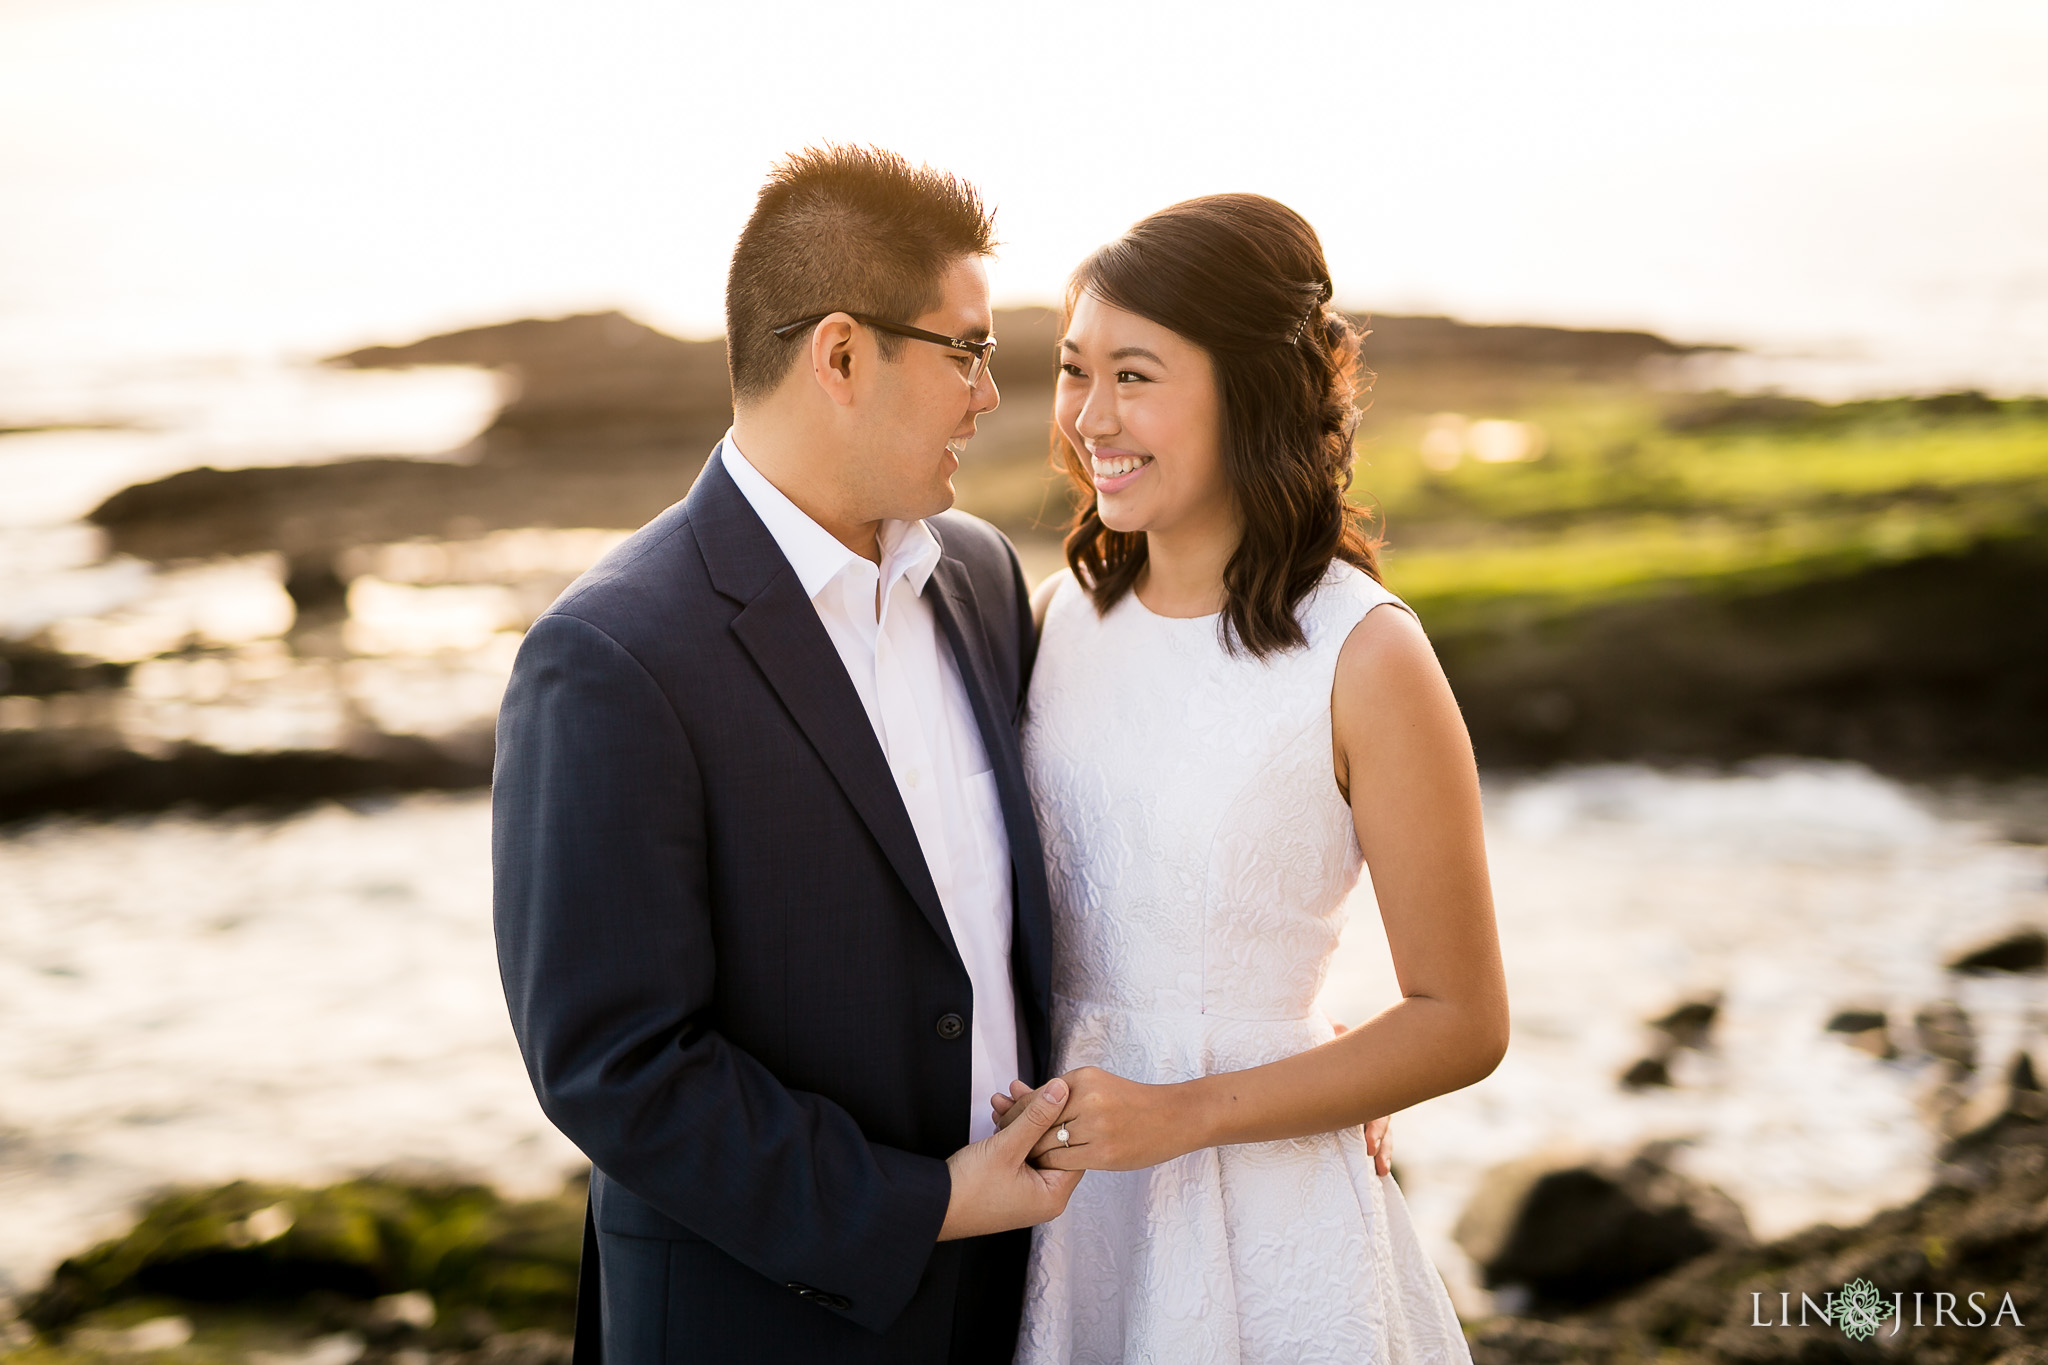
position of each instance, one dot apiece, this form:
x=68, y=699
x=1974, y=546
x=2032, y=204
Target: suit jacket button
x=951, y=1026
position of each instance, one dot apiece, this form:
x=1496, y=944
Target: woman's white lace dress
x=1200, y=855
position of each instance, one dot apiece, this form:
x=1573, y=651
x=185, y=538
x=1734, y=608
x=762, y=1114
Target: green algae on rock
x=250, y=1242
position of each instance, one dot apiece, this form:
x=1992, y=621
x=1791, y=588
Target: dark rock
x=30, y=670
x=604, y=380
x=1741, y=410
x=1690, y=1024
x=44, y=773
x=312, y=513
x=316, y=590
x=1982, y=1227
x=1867, y=1030
x=2023, y=1355
x=471, y=1328
x=2025, y=950
x=1649, y=1071
x=1528, y=1341
x=1440, y=341
x=1945, y=1031
x=1724, y=411
x=359, y=1241
x=534, y=1346
x=1963, y=402
x=2014, y=1099
x=1575, y=1231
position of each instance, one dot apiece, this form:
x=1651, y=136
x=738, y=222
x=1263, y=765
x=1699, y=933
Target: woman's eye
x=1072, y=369
x=1131, y=377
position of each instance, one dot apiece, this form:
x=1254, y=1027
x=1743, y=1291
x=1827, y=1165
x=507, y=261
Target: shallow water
x=1791, y=892
x=186, y=999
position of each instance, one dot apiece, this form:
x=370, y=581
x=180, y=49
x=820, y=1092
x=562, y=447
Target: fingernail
x=1056, y=1091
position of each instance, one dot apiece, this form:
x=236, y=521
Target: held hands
x=995, y=1187
x=1111, y=1124
x=1117, y=1125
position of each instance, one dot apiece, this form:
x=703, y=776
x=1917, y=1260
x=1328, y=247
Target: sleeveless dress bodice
x=1200, y=856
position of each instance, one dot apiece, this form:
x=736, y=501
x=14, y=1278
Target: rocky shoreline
x=1925, y=665
x=447, y=1274
x=1621, y=1259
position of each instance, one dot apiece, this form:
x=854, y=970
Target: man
x=771, y=914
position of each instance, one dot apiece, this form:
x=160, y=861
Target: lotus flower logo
x=1860, y=1309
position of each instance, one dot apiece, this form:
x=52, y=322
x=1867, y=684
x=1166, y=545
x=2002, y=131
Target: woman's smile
x=1114, y=469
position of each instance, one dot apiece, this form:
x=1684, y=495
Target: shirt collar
x=909, y=548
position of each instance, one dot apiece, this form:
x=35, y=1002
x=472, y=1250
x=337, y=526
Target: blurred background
x=1707, y=439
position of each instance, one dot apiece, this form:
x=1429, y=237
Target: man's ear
x=832, y=347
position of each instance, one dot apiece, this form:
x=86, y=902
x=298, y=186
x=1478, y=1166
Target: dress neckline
x=1157, y=616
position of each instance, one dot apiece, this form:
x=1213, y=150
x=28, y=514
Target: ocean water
x=194, y=1000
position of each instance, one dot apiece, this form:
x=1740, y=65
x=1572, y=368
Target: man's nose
x=987, y=397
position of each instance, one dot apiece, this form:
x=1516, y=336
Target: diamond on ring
x=1062, y=1136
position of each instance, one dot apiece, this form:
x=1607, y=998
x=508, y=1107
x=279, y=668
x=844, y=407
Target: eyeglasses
x=982, y=351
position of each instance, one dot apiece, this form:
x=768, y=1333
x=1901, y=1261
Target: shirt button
x=910, y=778
x=951, y=1026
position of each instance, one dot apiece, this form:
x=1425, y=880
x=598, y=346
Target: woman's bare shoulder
x=1387, y=649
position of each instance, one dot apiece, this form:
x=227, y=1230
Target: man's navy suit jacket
x=727, y=965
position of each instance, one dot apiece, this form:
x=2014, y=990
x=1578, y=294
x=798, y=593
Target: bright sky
x=250, y=176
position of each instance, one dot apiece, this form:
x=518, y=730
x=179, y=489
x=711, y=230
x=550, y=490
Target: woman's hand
x=1111, y=1124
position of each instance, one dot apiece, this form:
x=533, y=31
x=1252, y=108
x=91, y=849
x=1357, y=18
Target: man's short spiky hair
x=852, y=228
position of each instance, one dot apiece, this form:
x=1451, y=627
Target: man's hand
x=1379, y=1139
x=995, y=1188
x=1380, y=1143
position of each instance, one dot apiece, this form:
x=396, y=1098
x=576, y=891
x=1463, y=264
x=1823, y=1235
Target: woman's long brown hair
x=1243, y=277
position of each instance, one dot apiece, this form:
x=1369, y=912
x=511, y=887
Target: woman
x=1221, y=724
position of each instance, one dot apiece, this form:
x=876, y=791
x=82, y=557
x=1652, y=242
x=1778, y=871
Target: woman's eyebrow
x=1120, y=353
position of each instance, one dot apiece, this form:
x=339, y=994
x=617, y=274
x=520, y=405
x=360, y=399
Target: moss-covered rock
x=249, y=1242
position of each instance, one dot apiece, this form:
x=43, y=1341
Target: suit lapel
x=779, y=627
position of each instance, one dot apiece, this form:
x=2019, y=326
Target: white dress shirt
x=910, y=685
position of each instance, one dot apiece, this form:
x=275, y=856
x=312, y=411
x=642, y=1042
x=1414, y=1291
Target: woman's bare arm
x=1405, y=762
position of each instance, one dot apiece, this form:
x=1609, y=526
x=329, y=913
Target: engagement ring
x=1062, y=1136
